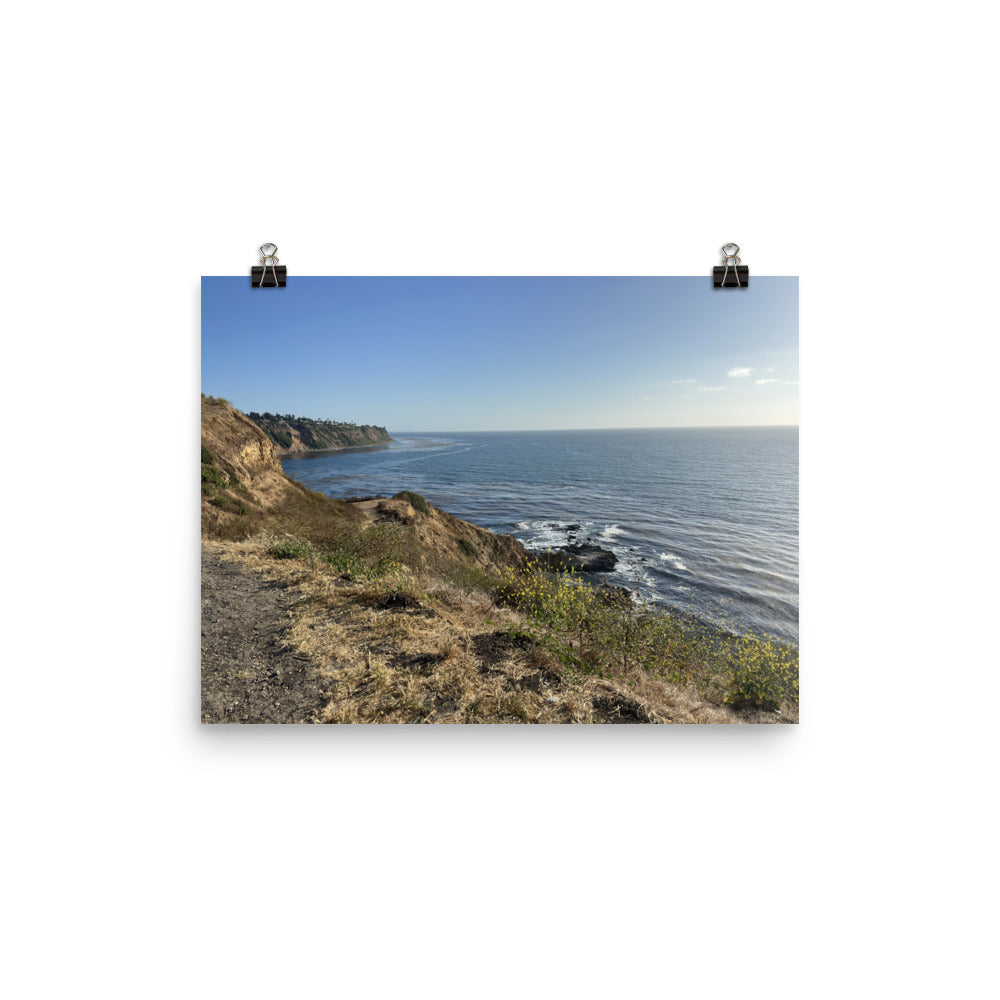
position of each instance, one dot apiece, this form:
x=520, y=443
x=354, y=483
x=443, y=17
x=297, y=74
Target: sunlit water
x=704, y=519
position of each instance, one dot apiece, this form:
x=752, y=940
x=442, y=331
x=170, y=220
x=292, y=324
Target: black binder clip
x=259, y=277
x=734, y=274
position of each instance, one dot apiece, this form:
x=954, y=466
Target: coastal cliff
x=293, y=435
x=391, y=610
x=243, y=487
x=245, y=490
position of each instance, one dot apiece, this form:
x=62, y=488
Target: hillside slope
x=292, y=435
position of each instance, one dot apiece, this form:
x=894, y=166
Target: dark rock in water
x=556, y=561
x=562, y=527
x=583, y=558
x=594, y=558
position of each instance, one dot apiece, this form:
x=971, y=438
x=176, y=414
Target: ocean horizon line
x=590, y=430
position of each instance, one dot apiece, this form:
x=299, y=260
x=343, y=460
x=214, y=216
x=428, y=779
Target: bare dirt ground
x=247, y=676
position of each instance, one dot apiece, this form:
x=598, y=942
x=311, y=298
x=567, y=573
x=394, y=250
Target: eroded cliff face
x=294, y=435
x=238, y=446
x=241, y=478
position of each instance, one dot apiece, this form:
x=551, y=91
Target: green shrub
x=210, y=474
x=467, y=547
x=415, y=500
x=344, y=562
x=754, y=687
x=212, y=478
x=292, y=548
x=585, y=630
x=763, y=674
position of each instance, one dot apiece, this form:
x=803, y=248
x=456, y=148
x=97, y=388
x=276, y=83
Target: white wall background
x=850, y=144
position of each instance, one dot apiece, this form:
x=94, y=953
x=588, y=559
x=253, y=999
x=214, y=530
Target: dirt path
x=246, y=674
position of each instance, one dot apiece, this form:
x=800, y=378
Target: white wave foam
x=633, y=573
x=674, y=561
x=611, y=532
x=540, y=535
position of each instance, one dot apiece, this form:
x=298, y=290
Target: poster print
x=499, y=500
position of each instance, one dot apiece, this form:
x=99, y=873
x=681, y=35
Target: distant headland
x=293, y=435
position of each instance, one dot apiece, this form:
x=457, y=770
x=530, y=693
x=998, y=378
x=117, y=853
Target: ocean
x=701, y=519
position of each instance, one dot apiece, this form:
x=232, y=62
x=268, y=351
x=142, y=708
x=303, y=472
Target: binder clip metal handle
x=268, y=259
x=734, y=274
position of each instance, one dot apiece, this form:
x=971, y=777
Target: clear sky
x=466, y=354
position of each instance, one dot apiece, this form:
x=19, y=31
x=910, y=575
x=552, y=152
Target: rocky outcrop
x=593, y=558
x=442, y=535
x=582, y=558
x=235, y=444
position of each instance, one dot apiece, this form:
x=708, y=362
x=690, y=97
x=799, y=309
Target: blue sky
x=465, y=354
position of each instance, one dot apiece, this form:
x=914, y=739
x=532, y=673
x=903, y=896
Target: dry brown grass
x=412, y=648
